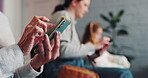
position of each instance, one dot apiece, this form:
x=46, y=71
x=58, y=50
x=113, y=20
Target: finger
x=34, y=19
x=56, y=46
x=41, y=24
x=50, y=25
x=37, y=39
x=36, y=30
x=48, y=47
x=31, y=35
x=106, y=38
x=41, y=48
x=34, y=23
x=40, y=21
x=106, y=46
x=43, y=18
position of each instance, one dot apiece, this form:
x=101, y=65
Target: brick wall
x=136, y=18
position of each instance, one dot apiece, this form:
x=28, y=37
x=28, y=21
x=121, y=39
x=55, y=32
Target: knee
x=125, y=73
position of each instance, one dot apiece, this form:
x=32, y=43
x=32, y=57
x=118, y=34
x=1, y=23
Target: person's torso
x=70, y=34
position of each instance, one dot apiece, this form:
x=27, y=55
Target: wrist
x=38, y=70
x=34, y=66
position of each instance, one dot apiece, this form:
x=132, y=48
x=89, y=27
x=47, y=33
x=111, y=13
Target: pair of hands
x=104, y=45
x=100, y=48
x=29, y=39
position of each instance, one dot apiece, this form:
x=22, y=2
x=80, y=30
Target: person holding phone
x=93, y=34
x=71, y=49
x=11, y=57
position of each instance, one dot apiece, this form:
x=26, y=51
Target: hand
x=105, y=40
x=103, y=49
x=106, y=44
x=37, y=25
x=50, y=53
x=102, y=42
x=103, y=46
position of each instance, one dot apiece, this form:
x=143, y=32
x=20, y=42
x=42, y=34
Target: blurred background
x=135, y=18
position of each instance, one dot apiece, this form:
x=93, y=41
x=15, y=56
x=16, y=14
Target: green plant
x=114, y=29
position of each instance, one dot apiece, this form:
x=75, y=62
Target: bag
x=68, y=71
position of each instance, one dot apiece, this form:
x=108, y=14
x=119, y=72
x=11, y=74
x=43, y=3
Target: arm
x=11, y=58
x=70, y=46
x=69, y=50
x=51, y=53
x=29, y=39
x=26, y=71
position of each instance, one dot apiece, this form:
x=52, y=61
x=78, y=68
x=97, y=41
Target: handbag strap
x=92, y=62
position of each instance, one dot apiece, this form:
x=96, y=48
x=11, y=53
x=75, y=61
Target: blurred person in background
x=93, y=34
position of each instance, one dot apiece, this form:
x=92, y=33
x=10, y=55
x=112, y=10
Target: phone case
x=61, y=26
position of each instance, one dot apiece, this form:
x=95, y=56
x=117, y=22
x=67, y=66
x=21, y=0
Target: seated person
x=93, y=34
x=11, y=57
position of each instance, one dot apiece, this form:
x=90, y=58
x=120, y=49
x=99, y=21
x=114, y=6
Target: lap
x=51, y=69
x=111, y=72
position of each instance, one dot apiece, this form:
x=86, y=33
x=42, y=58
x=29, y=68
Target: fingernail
x=45, y=35
x=59, y=32
x=56, y=33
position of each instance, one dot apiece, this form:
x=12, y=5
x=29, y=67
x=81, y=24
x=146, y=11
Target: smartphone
x=61, y=26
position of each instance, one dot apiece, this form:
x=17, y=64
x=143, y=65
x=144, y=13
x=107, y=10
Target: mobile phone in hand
x=60, y=26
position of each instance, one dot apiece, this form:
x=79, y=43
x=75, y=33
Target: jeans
x=51, y=69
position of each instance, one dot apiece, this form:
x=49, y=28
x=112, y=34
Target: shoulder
x=64, y=12
x=3, y=20
x=3, y=17
x=56, y=16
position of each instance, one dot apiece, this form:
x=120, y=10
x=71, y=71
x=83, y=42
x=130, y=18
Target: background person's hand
x=51, y=52
x=102, y=46
x=105, y=45
x=105, y=40
x=37, y=25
